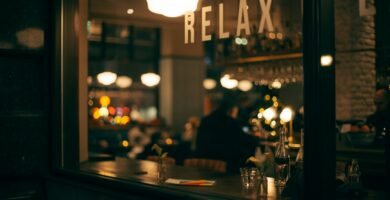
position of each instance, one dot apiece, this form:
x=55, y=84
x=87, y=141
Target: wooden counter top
x=142, y=171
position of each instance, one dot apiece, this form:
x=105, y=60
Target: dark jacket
x=221, y=137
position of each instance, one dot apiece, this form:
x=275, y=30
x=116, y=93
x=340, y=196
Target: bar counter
x=145, y=173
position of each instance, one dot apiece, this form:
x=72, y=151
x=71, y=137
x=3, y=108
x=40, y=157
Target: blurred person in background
x=220, y=136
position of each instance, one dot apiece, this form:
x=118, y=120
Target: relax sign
x=242, y=21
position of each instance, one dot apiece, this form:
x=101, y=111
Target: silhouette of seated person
x=378, y=119
x=220, y=137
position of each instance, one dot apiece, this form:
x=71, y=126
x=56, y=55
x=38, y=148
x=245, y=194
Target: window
x=262, y=65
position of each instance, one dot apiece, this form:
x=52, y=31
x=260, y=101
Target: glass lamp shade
x=209, y=84
x=172, y=8
x=286, y=114
x=228, y=83
x=124, y=81
x=276, y=84
x=150, y=79
x=245, y=85
x=269, y=113
x=106, y=78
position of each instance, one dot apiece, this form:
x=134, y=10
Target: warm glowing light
x=228, y=83
x=273, y=133
x=271, y=35
x=150, y=79
x=245, y=85
x=276, y=104
x=172, y=8
x=111, y=110
x=267, y=97
x=135, y=115
x=273, y=124
x=117, y=119
x=209, y=83
x=269, y=113
x=286, y=114
x=326, y=60
x=279, y=36
x=261, y=110
x=276, y=84
x=105, y=101
x=124, y=81
x=125, y=143
x=106, y=78
x=125, y=120
x=274, y=99
x=168, y=141
x=103, y=111
x=259, y=115
x=130, y=11
x=96, y=114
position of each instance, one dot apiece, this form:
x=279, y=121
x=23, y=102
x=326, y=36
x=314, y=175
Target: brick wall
x=355, y=61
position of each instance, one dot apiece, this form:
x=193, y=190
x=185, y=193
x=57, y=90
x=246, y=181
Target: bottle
x=299, y=159
x=354, y=172
x=282, y=160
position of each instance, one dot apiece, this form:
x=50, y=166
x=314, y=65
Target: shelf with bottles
x=258, y=48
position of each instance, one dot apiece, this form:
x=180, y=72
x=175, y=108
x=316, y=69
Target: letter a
x=242, y=10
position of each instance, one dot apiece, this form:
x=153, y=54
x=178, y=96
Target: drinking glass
x=249, y=177
x=161, y=170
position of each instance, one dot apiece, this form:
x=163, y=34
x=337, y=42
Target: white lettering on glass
x=265, y=16
x=189, y=21
x=221, y=33
x=243, y=12
x=205, y=23
x=265, y=21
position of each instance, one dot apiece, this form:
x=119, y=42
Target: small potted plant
x=161, y=164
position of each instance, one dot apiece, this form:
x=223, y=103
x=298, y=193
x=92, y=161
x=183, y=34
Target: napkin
x=190, y=182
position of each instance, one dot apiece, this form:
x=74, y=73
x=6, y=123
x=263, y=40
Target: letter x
x=265, y=16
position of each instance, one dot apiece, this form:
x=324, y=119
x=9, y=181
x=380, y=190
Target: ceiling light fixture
x=209, y=83
x=124, y=81
x=228, y=83
x=150, y=79
x=172, y=8
x=106, y=78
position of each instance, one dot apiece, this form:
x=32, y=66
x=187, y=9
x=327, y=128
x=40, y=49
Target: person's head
x=229, y=105
x=381, y=100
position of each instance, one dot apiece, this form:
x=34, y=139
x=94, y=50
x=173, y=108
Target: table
x=226, y=186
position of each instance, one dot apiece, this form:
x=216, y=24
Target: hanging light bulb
x=286, y=114
x=276, y=84
x=269, y=113
x=245, y=85
x=106, y=78
x=124, y=81
x=172, y=8
x=209, y=83
x=150, y=79
x=228, y=83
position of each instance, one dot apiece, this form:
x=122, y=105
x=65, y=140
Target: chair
x=209, y=164
x=168, y=160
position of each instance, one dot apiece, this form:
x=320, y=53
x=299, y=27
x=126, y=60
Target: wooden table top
x=225, y=187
